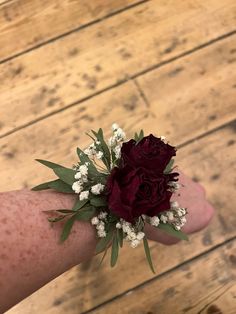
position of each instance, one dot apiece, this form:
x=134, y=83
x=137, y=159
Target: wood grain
x=206, y=285
x=81, y=64
x=36, y=22
x=87, y=286
x=182, y=107
x=199, y=91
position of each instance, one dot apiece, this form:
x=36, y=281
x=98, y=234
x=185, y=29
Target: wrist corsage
x=121, y=186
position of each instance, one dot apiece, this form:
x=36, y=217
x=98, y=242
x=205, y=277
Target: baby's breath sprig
x=88, y=180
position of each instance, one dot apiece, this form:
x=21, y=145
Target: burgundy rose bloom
x=150, y=153
x=132, y=192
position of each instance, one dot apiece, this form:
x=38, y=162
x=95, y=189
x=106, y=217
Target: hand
x=200, y=212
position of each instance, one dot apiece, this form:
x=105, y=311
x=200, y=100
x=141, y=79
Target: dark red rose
x=150, y=153
x=132, y=192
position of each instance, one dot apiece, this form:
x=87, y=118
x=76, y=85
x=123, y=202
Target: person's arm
x=30, y=252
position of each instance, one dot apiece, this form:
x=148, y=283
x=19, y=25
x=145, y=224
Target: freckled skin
x=32, y=255
x=30, y=252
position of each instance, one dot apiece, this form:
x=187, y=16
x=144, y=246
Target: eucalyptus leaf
x=67, y=228
x=136, y=136
x=148, y=254
x=141, y=135
x=103, y=257
x=114, y=250
x=49, y=164
x=103, y=242
x=65, y=211
x=120, y=236
x=98, y=201
x=79, y=204
x=56, y=219
x=85, y=214
x=60, y=186
x=43, y=186
x=171, y=231
x=169, y=166
x=65, y=174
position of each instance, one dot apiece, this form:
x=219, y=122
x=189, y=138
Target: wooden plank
x=84, y=63
x=199, y=90
x=40, y=20
x=206, y=285
x=57, y=137
x=81, y=288
x=201, y=108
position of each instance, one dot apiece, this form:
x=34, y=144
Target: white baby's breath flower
x=174, y=204
x=131, y=235
x=84, y=195
x=114, y=126
x=102, y=215
x=170, y=215
x=119, y=135
x=154, y=221
x=117, y=151
x=97, y=188
x=183, y=220
x=140, y=235
x=118, y=225
x=102, y=233
x=177, y=227
x=111, y=141
x=84, y=170
x=94, y=220
x=78, y=175
x=164, y=219
x=134, y=243
x=77, y=187
x=100, y=226
x=99, y=155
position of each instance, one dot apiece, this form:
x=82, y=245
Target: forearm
x=30, y=252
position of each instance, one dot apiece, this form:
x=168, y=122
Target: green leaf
x=171, y=231
x=120, y=236
x=136, y=137
x=103, y=257
x=43, y=186
x=65, y=211
x=103, y=242
x=141, y=135
x=65, y=174
x=67, y=228
x=60, y=186
x=148, y=255
x=79, y=204
x=57, y=185
x=55, y=219
x=98, y=201
x=104, y=148
x=85, y=214
x=114, y=250
x=169, y=166
x=92, y=170
x=49, y=164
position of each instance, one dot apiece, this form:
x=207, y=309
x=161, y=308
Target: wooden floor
x=168, y=67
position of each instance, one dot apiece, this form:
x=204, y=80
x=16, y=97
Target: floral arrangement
x=121, y=186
